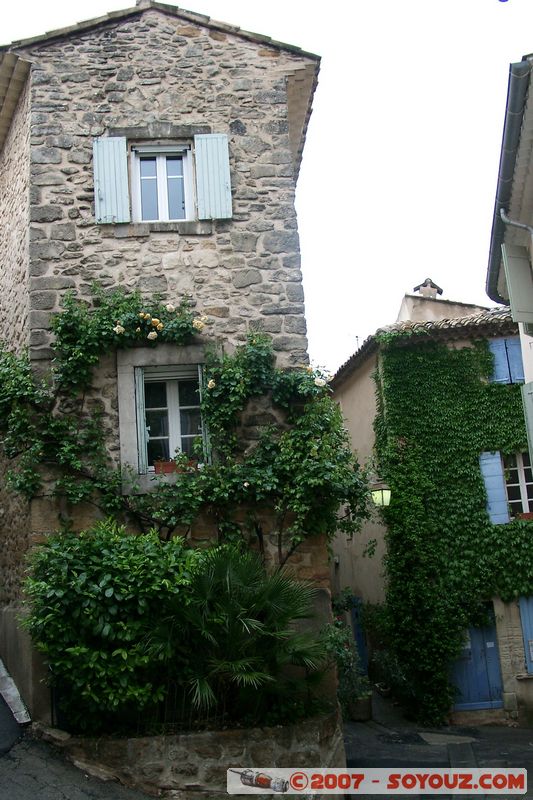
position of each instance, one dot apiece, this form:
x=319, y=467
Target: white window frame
x=522, y=484
x=128, y=360
x=171, y=377
x=160, y=152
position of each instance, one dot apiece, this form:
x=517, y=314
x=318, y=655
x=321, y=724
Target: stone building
x=95, y=120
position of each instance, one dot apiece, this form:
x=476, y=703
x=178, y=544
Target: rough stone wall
x=14, y=209
x=14, y=255
x=517, y=684
x=244, y=272
x=195, y=765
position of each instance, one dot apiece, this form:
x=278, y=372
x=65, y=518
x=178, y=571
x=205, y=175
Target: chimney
x=428, y=289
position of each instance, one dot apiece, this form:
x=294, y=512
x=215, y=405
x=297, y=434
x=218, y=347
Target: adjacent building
x=433, y=404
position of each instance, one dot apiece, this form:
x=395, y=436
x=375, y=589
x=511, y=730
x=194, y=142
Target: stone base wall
x=193, y=765
x=517, y=684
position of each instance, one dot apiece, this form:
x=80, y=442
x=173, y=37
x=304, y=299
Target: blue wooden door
x=476, y=674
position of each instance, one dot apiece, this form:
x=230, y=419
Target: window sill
x=143, y=484
x=524, y=677
x=126, y=230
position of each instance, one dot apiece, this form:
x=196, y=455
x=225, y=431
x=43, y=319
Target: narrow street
x=31, y=769
x=389, y=740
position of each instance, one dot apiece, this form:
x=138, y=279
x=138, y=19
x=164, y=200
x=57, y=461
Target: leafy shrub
x=342, y=651
x=132, y=624
x=239, y=624
x=93, y=596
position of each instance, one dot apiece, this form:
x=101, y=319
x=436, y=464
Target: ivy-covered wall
x=437, y=411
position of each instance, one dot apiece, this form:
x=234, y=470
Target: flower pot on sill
x=525, y=515
x=164, y=467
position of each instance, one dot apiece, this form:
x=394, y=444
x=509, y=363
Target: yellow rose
x=152, y=335
x=155, y=322
x=211, y=384
x=160, y=326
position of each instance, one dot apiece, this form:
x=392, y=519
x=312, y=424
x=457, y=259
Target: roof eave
x=519, y=80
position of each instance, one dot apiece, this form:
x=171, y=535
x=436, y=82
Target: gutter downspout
x=513, y=223
x=519, y=79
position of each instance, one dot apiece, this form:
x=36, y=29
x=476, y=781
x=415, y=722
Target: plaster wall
x=350, y=566
x=425, y=309
x=147, y=74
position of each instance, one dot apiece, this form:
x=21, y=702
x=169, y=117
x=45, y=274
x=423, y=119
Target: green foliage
x=93, y=596
x=122, y=618
x=117, y=320
x=353, y=684
x=436, y=414
x=240, y=625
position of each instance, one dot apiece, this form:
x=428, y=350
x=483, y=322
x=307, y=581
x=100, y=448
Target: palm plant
x=250, y=661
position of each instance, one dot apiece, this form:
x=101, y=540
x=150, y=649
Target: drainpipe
x=513, y=223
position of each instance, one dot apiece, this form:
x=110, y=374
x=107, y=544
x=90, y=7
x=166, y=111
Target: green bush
x=132, y=624
x=93, y=596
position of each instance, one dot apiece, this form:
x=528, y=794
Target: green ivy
x=436, y=413
x=301, y=469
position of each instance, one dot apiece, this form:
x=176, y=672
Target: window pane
x=515, y=508
x=509, y=461
x=187, y=446
x=157, y=422
x=157, y=450
x=512, y=476
x=148, y=168
x=174, y=166
x=191, y=422
x=189, y=394
x=513, y=493
x=176, y=198
x=155, y=395
x=525, y=459
x=149, y=207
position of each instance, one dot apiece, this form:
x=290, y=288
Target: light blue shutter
x=500, y=373
x=213, y=186
x=492, y=472
x=526, y=618
x=514, y=357
x=142, y=437
x=519, y=278
x=111, y=194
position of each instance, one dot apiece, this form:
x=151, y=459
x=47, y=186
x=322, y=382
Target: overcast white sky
x=399, y=171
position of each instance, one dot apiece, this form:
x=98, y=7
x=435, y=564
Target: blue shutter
x=492, y=472
x=500, y=373
x=213, y=186
x=514, y=357
x=111, y=194
x=526, y=617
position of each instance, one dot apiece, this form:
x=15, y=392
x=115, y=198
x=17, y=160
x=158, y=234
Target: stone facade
x=148, y=76
x=14, y=211
x=156, y=76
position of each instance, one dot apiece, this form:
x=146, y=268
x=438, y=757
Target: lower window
x=169, y=420
x=518, y=483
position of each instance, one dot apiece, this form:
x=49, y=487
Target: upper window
x=518, y=483
x=162, y=187
x=508, y=367
x=164, y=182
x=168, y=413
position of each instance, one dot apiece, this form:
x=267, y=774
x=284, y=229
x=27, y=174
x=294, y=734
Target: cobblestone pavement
x=34, y=770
